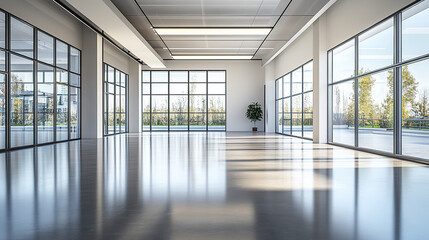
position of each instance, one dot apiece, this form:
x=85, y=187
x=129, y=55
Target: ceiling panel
x=213, y=7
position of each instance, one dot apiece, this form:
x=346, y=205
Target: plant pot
x=254, y=129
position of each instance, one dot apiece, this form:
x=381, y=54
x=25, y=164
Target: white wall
x=115, y=57
x=245, y=84
x=343, y=20
x=48, y=16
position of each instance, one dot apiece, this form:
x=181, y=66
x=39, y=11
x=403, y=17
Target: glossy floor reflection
x=209, y=186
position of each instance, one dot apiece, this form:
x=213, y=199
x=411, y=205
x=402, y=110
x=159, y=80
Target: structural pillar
x=92, y=85
x=134, y=97
x=320, y=82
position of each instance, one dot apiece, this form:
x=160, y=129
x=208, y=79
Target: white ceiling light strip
x=212, y=57
x=212, y=31
x=306, y=26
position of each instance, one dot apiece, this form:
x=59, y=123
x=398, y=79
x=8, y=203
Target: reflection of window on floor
x=366, y=109
x=184, y=100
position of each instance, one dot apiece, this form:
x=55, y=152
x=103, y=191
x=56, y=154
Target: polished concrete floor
x=209, y=186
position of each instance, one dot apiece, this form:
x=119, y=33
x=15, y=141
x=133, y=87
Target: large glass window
x=44, y=100
x=294, y=102
x=115, y=101
x=388, y=104
x=184, y=100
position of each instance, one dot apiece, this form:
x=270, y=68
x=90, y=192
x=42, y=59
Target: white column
x=92, y=85
x=270, y=96
x=320, y=82
x=134, y=97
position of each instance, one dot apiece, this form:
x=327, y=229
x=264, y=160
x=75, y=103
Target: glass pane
x=343, y=61
x=178, y=104
x=62, y=55
x=287, y=117
x=343, y=113
x=146, y=121
x=118, y=109
x=74, y=113
x=197, y=88
x=2, y=61
x=124, y=78
x=21, y=37
x=179, y=121
x=216, y=88
x=179, y=88
x=159, y=76
x=110, y=74
x=62, y=112
x=74, y=60
x=286, y=86
x=146, y=103
x=159, y=88
x=217, y=122
x=111, y=114
x=74, y=80
x=45, y=48
x=2, y=111
x=45, y=73
x=279, y=116
x=197, y=76
x=376, y=111
x=376, y=47
x=217, y=76
x=415, y=116
x=22, y=102
x=62, y=76
x=110, y=88
x=308, y=76
x=2, y=30
x=146, y=76
x=308, y=115
x=297, y=115
x=123, y=122
x=279, y=88
x=197, y=122
x=297, y=81
x=415, y=34
x=216, y=104
x=146, y=88
x=179, y=76
x=45, y=104
x=159, y=122
x=159, y=104
x=197, y=103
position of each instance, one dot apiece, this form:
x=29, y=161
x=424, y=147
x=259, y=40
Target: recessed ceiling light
x=208, y=57
x=217, y=48
x=212, y=31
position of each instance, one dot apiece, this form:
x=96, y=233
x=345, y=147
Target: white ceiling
x=286, y=16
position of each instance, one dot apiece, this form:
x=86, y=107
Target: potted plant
x=254, y=113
